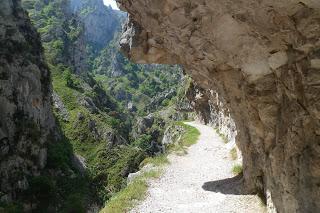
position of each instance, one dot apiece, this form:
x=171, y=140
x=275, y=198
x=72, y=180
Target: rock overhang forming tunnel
x=262, y=57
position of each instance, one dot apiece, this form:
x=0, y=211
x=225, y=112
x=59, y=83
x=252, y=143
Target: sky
x=112, y=3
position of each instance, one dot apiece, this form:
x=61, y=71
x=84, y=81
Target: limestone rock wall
x=26, y=120
x=100, y=22
x=263, y=59
x=211, y=110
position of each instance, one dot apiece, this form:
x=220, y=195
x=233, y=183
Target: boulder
x=79, y=163
x=172, y=135
x=59, y=106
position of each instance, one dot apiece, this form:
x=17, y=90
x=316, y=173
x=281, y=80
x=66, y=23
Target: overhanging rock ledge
x=262, y=57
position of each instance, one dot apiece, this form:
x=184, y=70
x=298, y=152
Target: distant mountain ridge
x=100, y=21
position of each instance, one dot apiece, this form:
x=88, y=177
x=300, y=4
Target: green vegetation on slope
x=148, y=88
x=107, y=165
x=130, y=195
x=135, y=191
x=93, y=88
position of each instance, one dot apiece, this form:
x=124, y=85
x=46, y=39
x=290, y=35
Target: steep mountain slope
x=98, y=140
x=100, y=22
x=26, y=119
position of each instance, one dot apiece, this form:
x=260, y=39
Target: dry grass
x=233, y=154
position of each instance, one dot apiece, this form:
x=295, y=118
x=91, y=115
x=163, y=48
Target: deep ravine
x=84, y=106
x=200, y=181
x=76, y=117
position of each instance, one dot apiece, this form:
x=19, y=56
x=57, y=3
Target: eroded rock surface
x=26, y=119
x=210, y=109
x=262, y=58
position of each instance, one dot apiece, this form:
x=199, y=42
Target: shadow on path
x=232, y=185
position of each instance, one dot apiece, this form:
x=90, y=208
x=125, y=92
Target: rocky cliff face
x=26, y=120
x=100, y=22
x=211, y=110
x=262, y=58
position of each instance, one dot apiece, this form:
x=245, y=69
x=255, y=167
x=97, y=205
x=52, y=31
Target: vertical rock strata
x=263, y=58
x=25, y=108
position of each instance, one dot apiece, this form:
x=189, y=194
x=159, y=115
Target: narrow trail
x=199, y=182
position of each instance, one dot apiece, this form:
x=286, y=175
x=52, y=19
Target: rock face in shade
x=262, y=58
x=210, y=110
x=26, y=120
x=100, y=22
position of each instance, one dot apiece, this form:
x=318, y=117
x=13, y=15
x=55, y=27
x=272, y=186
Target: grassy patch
x=189, y=138
x=67, y=94
x=129, y=196
x=233, y=154
x=237, y=169
x=159, y=160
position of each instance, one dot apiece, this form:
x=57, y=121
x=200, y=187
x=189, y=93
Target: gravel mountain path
x=199, y=182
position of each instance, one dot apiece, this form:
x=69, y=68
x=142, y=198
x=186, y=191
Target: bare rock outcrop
x=100, y=22
x=26, y=119
x=262, y=58
x=211, y=110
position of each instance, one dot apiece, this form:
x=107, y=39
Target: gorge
x=262, y=58
x=77, y=117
